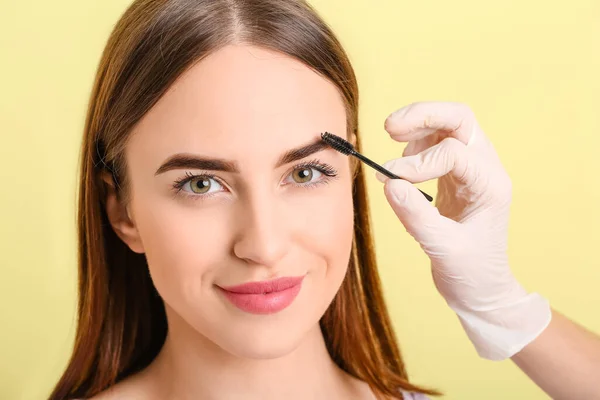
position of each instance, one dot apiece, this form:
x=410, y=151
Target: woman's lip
x=266, y=297
x=265, y=287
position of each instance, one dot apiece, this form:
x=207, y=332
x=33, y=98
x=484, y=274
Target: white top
x=414, y=396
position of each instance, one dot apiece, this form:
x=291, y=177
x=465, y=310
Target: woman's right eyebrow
x=191, y=161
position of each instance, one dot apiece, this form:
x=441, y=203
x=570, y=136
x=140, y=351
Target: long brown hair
x=121, y=319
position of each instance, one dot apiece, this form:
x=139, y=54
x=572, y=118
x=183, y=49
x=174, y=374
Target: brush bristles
x=337, y=143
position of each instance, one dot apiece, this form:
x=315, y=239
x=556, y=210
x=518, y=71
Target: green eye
x=200, y=185
x=302, y=175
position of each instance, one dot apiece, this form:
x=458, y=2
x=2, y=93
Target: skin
x=564, y=360
x=249, y=106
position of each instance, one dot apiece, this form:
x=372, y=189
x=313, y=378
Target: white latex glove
x=466, y=235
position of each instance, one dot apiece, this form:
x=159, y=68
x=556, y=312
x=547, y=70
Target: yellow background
x=529, y=69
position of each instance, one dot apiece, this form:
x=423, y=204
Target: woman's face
x=229, y=186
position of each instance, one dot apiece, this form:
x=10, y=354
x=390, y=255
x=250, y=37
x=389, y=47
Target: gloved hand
x=466, y=235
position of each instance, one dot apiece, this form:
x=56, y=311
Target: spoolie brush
x=345, y=147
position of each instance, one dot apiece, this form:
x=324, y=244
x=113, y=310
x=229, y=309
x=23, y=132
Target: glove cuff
x=501, y=333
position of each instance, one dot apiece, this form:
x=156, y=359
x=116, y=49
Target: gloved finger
x=417, y=146
x=420, y=120
x=448, y=156
x=420, y=218
x=409, y=150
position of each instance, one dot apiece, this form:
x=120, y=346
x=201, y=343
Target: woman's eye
x=202, y=185
x=305, y=174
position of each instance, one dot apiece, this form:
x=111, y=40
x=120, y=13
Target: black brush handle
x=384, y=171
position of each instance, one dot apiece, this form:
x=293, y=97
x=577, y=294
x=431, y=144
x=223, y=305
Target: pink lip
x=265, y=297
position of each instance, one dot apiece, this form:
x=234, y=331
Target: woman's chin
x=262, y=343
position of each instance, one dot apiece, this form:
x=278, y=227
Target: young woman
x=224, y=251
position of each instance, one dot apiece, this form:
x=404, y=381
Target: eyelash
x=327, y=170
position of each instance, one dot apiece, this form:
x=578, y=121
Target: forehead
x=242, y=99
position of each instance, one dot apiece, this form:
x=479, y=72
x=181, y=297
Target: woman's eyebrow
x=193, y=161
x=301, y=152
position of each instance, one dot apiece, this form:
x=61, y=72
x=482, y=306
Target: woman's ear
x=352, y=138
x=119, y=216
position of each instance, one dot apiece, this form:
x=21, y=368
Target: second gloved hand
x=465, y=235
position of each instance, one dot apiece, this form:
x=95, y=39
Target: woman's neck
x=192, y=367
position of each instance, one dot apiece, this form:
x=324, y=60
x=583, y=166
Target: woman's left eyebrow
x=301, y=152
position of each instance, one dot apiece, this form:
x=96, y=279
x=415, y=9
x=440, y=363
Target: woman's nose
x=262, y=231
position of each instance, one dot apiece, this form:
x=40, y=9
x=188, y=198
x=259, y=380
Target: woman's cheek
x=182, y=244
x=328, y=226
